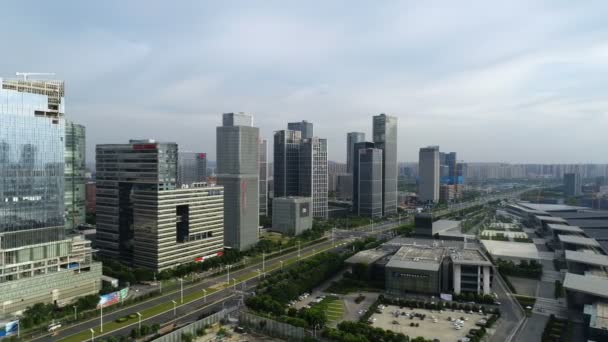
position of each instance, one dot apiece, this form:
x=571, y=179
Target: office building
x=39, y=261
x=351, y=139
x=177, y=226
x=344, y=186
x=428, y=174
x=122, y=169
x=313, y=174
x=304, y=127
x=300, y=168
x=286, y=152
x=238, y=172
x=367, y=180
x=192, y=168
x=385, y=138
x=264, y=177
x=91, y=203
x=75, y=168
x=572, y=184
x=292, y=215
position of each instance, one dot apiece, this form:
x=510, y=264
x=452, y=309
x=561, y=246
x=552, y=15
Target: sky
x=508, y=81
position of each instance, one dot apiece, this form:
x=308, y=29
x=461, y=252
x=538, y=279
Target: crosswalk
x=548, y=306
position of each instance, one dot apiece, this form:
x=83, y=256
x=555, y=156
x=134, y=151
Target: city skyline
x=475, y=79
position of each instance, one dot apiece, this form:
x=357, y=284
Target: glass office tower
x=38, y=261
x=385, y=138
x=75, y=168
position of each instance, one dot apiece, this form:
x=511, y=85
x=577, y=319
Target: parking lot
x=435, y=325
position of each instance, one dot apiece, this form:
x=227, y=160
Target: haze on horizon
x=522, y=81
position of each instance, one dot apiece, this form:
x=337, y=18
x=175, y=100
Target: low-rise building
x=292, y=215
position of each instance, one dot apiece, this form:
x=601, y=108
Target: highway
x=190, y=311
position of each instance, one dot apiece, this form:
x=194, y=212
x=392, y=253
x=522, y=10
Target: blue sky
x=516, y=81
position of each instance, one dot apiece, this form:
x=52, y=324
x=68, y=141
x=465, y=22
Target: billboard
x=10, y=329
x=112, y=298
x=446, y=296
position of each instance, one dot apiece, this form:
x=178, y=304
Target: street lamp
x=181, y=280
x=259, y=273
x=139, y=316
x=75, y=312
x=281, y=261
x=92, y=335
x=205, y=295
x=298, y=249
x=263, y=261
x=174, y=308
x=234, y=283
x=228, y=278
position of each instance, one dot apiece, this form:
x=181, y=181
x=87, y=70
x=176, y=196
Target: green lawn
x=334, y=309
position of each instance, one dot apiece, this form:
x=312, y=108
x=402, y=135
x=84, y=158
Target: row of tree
x=531, y=269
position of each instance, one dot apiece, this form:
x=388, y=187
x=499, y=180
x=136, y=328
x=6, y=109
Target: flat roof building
x=292, y=215
x=416, y=269
x=572, y=241
x=472, y=272
x=514, y=251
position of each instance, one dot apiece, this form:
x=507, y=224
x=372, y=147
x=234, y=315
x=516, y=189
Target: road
x=511, y=314
x=195, y=308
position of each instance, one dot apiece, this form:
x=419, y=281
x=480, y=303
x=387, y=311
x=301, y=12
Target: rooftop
x=550, y=207
x=578, y=240
x=418, y=257
x=509, y=249
x=564, y=228
x=588, y=258
x=599, y=315
x=585, y=214
x=367, y=256
x=469, y=257
x=550, y=218
x=595, y=286
x=504, y=225
x=589, y=223
x=442, y=225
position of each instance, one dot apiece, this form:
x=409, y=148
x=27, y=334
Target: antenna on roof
x=26, y=74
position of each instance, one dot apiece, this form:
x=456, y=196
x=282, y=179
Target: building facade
x=304, y=127
x=177, y=226
x=572, y=184
x=367, y=180
x=292, y=215
x=286, y=153
x=351, y=139
x=123, y=169
x=428, y=174
x=385, y=138
x=313, y=174
x=75, y=168
x=192, y=167
x=39, y=261
x=264, y=177
x=238, y=172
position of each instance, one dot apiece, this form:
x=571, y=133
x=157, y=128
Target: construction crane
x=26, y=74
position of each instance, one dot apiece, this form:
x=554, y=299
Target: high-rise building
x=304, y=127
x=39, y=260
x=313, y=174
x=192, y=167
x=238, y=172
x=75, y=168
x=351, y=139
x=385, y=138
x=367, y=180
x=122, y=169
x=144, y=218
x=264, y=177
x=286, y=151
x=292, y=215
x=300, y=168
x=572, y=184
x=173, y=227
x=428, y=174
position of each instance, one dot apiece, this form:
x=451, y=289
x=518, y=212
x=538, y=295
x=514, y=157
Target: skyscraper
x=313, y=174
x=304, y=127
x=351, y=139
x=572, y=184
x=144, y=217
x=238, y=171
x=428, y=174
x=122, y=169
x=286, y=150
x=192, y=167
x=367, y=180
x=264, y=177
x=385, y=138
x=39, y=261
x=75, y=168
